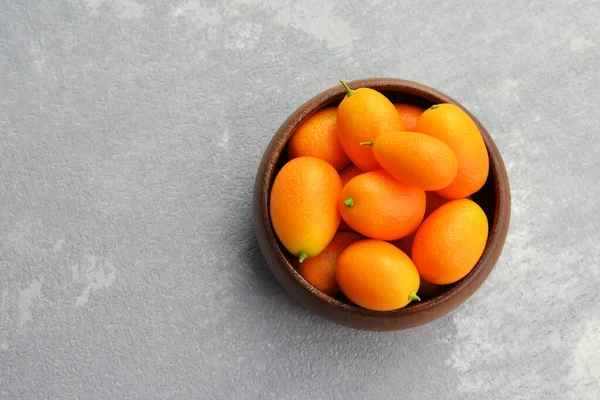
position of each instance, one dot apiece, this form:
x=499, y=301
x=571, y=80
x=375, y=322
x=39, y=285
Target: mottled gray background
x=130, y=133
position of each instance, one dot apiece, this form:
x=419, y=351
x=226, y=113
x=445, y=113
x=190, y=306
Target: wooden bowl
x=494, y=198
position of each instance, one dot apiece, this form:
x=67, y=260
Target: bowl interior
x=398, y=91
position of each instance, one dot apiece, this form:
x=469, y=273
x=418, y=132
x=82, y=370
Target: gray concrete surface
x=130, y=133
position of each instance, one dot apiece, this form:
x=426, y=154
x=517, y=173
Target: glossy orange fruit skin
x=450, y=241
x=416, y=159
x=405, y=243
x=362, y=117
x=453, y=126
x=409, y=114
x=433, y=201
x=376, y=275
x=319, y=270
x=382, y=208
x=304, y=205
x=346, y=174
x=317, y=137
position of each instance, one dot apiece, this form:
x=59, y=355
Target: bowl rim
x=499, y=225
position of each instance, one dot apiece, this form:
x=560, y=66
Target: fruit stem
x=433, y=107
x=366, y=143
x=349, y=202
x=349, y=91
x=413, y=296
x=302, y=256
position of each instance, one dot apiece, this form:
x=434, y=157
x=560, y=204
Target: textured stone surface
x=130, y=132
